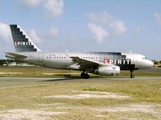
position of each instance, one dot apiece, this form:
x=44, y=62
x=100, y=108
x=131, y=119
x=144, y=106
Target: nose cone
x=150, y=64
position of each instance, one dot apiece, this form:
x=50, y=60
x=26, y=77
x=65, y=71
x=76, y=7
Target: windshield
x=144, y=58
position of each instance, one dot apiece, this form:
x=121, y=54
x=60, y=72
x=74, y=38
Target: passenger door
x=40, y=57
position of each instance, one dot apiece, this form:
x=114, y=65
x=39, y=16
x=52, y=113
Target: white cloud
x=139, y=30
x=102, y=18
x=30, y=3
x=33, y=35
x=54, y=8
x=158, y=17
x=53, y=31
x=100, y=33
x=115, y=27
x=5, y=33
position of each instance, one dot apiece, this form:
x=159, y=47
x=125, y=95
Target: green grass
x=147, y=90
x=140, y=91
x=32, y=98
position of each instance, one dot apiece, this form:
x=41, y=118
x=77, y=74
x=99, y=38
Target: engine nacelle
x=108, y=70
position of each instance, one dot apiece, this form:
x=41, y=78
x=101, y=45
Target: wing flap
x=84, y=61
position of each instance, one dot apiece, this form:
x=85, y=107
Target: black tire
x=132, y=76
x=82, y=75
x=86, y=76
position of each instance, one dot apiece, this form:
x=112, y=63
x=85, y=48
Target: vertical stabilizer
x=21, y=41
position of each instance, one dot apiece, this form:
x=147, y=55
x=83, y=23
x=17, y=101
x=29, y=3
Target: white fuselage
x=126, y=61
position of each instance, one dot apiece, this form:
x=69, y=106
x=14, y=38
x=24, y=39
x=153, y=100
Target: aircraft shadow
x=70, y=78
x=65, y=78
x=61, y=79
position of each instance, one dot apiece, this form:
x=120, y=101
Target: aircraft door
x=40, y=57
x=134, y=59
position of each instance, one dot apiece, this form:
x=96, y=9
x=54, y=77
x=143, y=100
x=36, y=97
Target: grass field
x=80, y=100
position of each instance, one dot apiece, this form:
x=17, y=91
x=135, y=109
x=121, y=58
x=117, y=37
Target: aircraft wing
x=85, y=63
x=16, y=55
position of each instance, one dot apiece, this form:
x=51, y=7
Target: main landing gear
x=131, y=74
x=84, y=75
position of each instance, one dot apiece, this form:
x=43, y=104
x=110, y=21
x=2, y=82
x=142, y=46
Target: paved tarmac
x=8, y=82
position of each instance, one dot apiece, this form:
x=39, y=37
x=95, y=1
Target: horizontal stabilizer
x=16, y=55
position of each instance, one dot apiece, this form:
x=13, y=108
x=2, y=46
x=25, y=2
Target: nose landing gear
x=132, y=74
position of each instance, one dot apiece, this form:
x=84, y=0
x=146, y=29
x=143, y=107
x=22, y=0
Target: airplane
x=101, y=63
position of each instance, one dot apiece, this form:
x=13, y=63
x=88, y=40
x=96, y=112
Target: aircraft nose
x=151, y=64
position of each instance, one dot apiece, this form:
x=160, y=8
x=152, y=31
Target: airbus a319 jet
x=101, y=63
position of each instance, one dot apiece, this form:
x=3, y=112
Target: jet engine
x=108, y=70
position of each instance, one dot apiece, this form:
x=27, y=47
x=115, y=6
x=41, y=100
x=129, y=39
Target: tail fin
x=21, y=41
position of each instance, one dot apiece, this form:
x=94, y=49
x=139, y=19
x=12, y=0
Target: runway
x=7, y=82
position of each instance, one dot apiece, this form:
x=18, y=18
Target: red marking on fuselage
x=106, y=60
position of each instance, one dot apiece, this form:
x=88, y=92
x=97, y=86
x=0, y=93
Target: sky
x=85, y=25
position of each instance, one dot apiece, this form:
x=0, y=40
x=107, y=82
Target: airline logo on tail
x=21, y=41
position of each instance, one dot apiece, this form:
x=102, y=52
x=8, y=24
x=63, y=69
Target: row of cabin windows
x=101, y=58
x=89, y=57
x=84, y=57
x=57, y=57
x=81, y=57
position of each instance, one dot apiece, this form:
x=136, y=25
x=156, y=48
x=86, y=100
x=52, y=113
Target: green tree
x=156, y=62
x=2, y=62
x=160, y=62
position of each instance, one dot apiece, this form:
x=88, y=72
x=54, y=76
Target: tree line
x=7, y=61
x=157, y=62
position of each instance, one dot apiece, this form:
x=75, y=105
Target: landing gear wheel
x=132, y=75
x=84, y=75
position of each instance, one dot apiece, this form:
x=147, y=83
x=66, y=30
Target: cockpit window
x=144, y=58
